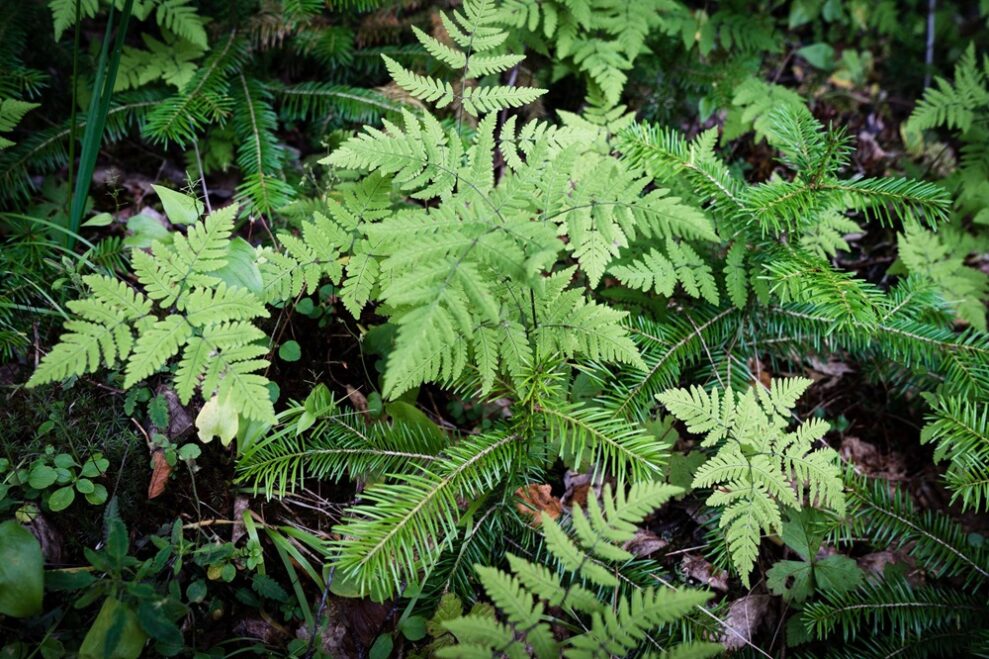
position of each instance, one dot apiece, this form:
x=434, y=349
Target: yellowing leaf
x=180, y=208
x=217, y=419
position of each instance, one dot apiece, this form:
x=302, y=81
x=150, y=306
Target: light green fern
x=759, y=468
x=464, y=279
x=11, y=112
x=187, y=309
x=613, y=628
x=474, y=29
x=959, y=430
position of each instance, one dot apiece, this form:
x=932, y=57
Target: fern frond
x=892, y=604
x=156, y=344
x=45, y=150
x=953, y=105
x=888, y=517
x=617, y=627
x=620, y=448
x=400, y=528
x=11, y=112
x=204, y=100
x=320, y=100
x=259, y=154
x=960, y=431
x=182, y=19
x=757, y=460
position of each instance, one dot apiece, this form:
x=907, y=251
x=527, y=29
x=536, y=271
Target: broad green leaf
x=144, y=230
x=64, y=460
x=241, y=269
x=818, y=55
x=382, y=647
x=99, y=220
x=791, y=579
x=21, y=571
x=42, y=476
x=290, y=351
x=217, y=419
x=410, y=415
x=155, y=622
x=62, y=498
x=414, y=628
x=115, y=634
x=98, y=496
x=180, y=208
x=837, y=574
x=95, y=466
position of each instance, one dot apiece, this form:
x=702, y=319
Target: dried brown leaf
x=536, y=499
x=160, y=471
x=745, y=615
x=697, y=567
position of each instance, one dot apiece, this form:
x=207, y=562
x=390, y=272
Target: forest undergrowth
x=494, y=328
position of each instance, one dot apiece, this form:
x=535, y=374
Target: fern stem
x=438, y=487
x=72, y=116
x=669, y=354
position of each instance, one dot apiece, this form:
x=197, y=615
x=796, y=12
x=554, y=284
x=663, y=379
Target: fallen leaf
x=241, y=503
x=876, y=562
x=576, y=488
x=536, y=499
x=48, y=536
x=358, y=400
x=869, y=461
x=763, y=375
x=179, y=421
x=698, y=568
x=645, y=543
x=831, y=367
x=160, y=471
x=217, y=419
x=745, y=615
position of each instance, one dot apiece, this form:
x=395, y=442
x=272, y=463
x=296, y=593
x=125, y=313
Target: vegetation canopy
x=580, y=328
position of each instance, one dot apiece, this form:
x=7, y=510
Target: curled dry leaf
x=828, y=373
x=241, y=504
x=49, y=538
x=358, y=400
x=745, y=616
x=645, y=543
x=535, y=499
x=160, y=471
x=876, y=562
x=869, y=461
x=577, y=486
x=696, y=567
x=179, y=419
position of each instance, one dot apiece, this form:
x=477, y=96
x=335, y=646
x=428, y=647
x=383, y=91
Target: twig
x=311, y=649
x=202, y=176
x=929, y=49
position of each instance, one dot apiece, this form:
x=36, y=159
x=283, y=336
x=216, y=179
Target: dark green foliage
x=520, y=311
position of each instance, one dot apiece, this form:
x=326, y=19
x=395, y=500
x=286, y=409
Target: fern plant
x=934, y=609
x=11, y=112
x=190, y=76
x=190, y=302
x=615, y=628
x=777, y=292
x=474, y=29
x=598, y=39
x=961, y=107
x=959, y=429
x=759, y=469
x=463, y=278
x=409, y=519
